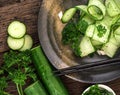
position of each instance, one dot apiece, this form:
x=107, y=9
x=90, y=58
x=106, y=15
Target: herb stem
x=5, y=93
x=18, y=89
x=21, y=90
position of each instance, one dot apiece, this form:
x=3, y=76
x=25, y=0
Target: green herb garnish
x=101, y=30
x=82, y=26
x=71, y=36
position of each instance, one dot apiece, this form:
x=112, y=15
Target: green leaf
x=3, y=83
x=18, y=77
x=70, y=33
x=102, y=30
x=82, y=26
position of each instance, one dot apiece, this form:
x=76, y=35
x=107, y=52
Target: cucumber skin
x=52, y=83
x=35, y=89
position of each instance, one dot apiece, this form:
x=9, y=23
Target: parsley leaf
x=18, y=66
x=101, y=30
x=82, y=26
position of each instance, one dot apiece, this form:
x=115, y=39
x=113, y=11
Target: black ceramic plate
x=61, y=56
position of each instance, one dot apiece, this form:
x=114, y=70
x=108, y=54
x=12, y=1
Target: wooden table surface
x=27, y=12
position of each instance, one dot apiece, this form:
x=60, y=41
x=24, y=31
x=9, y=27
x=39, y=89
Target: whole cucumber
x=52, y=83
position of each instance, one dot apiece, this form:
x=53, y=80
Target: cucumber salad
x=94, y=27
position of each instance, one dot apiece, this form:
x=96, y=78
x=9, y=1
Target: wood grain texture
x=27, y=12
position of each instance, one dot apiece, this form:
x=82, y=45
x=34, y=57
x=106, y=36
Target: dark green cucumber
x=52, y=83
x=35, y=89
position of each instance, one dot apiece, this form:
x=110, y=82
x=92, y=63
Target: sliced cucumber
x=96, y=9
x=96, y=43
x=82, y=8
x=27, y=43
x=101, y=38
x=112, y=8
x=107, y=20
x=110, y=49
x=15, y=44
x=90, y=30
x=88, y=19
x=117, y=37
x=117, y=2
x=117, y=31
x=16, y=29
x=86, y=47
x=113, y=40
x=68, y=15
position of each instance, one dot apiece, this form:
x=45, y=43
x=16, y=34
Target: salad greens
x=95, y=90
x=97, y=22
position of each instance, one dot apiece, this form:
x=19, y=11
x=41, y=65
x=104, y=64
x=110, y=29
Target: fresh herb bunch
x=3, y=86
x=72, y=33
x=18, y=67
x=82, y=26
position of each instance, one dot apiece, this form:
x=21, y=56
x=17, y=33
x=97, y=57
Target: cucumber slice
x=117, y=37
x=88, y=19
x=96, y=9
x=112, y=8
x=96, y=43
x=101, y=37
x=95, y=12
x=27, y=43
x=82, y=8
x=117, y=31
x=16, y=29
x=117, y=2
x=68, y=15
x=86, y=47
x=90, y=30
x=114, y=40
x=15, y=44
x=110, y=49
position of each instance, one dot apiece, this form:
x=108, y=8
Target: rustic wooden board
x=27, y=12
